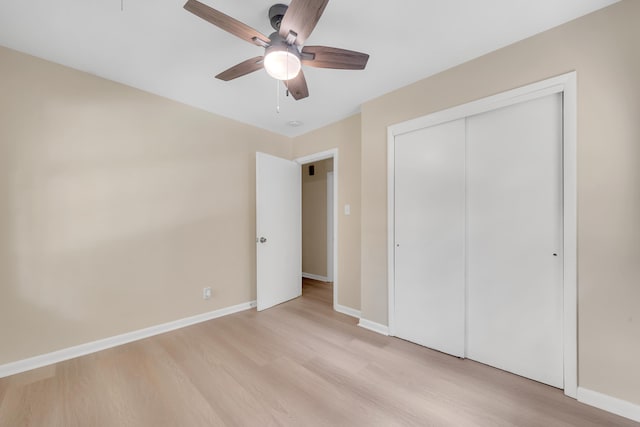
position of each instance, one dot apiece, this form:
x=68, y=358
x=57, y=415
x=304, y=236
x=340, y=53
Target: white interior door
x=515, y=239
x=279, y=230
x=430, y=237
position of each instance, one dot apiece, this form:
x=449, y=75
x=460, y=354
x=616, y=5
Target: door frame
x=330, y=230
x=565, y=84
x=323, y=155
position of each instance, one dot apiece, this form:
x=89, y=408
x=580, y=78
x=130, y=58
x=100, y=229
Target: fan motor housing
x=279, y=43
x=276, y=13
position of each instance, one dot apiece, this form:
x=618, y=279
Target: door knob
x=263, y=240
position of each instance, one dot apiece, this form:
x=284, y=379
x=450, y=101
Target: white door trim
x=330, y=218
x=565, y=84
x=333, y=153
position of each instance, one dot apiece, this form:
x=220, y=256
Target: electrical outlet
x=206, y=293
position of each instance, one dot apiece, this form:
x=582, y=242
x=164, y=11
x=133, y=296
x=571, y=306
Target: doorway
x=279, y=228
x=316, y=221
x=319, y=183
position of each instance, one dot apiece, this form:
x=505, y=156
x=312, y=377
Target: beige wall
x=116, y=208
x=314, y=217
x=604, y=50
x=345, y=136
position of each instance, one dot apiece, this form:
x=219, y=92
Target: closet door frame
x=566, y=85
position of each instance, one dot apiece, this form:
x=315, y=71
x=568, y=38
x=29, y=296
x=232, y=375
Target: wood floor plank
x=300, y=363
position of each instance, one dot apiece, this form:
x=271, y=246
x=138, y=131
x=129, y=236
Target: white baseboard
x=373, y=326
x=609, y=404
x=103, y=344
x=315, y=277
x=347, y=310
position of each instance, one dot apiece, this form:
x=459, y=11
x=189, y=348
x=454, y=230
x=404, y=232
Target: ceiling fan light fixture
x=282, y=62
x=285, y=48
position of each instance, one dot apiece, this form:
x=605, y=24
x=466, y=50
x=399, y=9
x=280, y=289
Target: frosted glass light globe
x=282, y=64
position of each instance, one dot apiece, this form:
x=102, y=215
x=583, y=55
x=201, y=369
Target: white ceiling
x=157, y=46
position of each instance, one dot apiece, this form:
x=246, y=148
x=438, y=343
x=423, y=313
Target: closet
x=478, y=237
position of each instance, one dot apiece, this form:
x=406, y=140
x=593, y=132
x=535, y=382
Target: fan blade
x=242, y=69
x=301, y=18
x=332, y=57
x=226, y=23
x=298, y=86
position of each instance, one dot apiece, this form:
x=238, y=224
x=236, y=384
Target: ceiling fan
x=284, y=50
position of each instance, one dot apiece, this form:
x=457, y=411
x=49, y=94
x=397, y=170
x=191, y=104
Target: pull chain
x=287, y=84
x=277, y=97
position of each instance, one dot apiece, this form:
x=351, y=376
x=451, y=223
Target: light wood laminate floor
x=298, y=364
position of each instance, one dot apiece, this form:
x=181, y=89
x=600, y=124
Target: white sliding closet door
x=430, y=236
x=515, y=239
